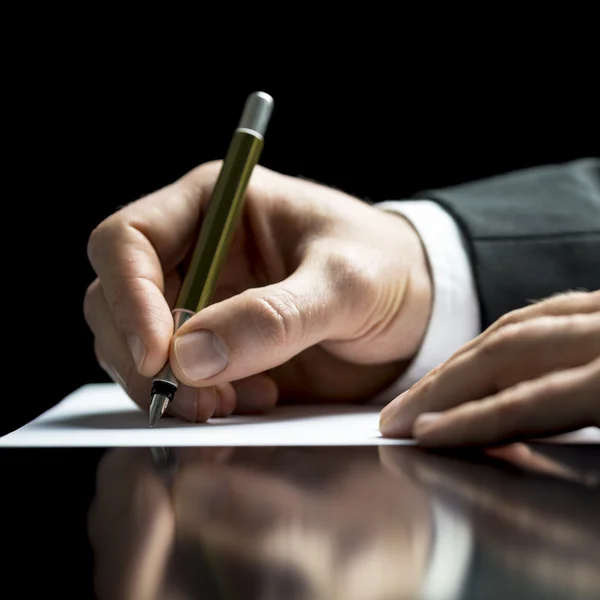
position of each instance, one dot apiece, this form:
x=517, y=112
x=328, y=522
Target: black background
x=88, y=130
x=99, y=109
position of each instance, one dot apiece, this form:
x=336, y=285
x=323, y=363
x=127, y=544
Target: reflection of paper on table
x=102, y=415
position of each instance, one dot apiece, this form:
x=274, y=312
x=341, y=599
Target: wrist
x=417, y=304
x=454, y=314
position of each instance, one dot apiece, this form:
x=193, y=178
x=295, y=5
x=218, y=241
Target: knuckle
x=579, y=326
x=513, y=336
x=204, y=174
x=104, y=238
x=90, y=302
x=277, y=317
x=512, y=317
x=348, y=275
x=501, y=341
x=211, y=167
x=97, y=240
x=118, y=292
x=423, y=388
x=508, y=413
x=107, y=238
x=556, y=384
x=546, y=325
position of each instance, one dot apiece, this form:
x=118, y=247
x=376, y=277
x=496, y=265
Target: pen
x=221, y=217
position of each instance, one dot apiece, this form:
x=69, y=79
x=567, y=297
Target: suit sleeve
x=530, y=233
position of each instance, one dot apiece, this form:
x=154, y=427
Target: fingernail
x=424, y=423
x=200, y=355
x=137, y=349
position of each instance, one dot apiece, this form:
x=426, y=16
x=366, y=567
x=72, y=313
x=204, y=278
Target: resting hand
x=535, y=372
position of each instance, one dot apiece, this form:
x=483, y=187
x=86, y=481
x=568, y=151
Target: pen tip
x=158, y=406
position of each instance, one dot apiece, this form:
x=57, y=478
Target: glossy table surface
x=302, y=523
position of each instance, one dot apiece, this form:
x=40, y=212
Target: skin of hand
x=322, y=297
x=533, y=373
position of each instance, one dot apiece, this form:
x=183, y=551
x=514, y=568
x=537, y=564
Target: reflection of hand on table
x=247, y=524
x=534, y=515
x=131, y=525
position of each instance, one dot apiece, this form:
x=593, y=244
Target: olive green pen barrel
x=220, y=221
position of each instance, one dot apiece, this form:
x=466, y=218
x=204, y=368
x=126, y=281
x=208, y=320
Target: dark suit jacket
x=530, y=233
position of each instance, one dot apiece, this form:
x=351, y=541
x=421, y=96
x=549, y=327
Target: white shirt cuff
x=455, y=317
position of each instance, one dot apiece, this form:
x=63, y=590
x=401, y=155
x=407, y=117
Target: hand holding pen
x=320, y=297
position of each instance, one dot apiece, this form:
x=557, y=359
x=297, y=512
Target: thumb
x=256, y=330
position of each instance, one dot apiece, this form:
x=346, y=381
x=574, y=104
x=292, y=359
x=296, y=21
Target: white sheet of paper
x=102, y=415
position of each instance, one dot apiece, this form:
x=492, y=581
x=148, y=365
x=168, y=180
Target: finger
x=109, y=345
x=568, y=303
x=131, y=543
x=225, y=400
x=524, y=457
x=575, y=302
x=564, y=304
x=258, y=329
x=196, y=405
x=514, y=353
x=255, y=394
x=130, y=252
x=555, y=403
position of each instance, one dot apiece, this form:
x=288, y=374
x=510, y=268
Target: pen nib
x=158, y=406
